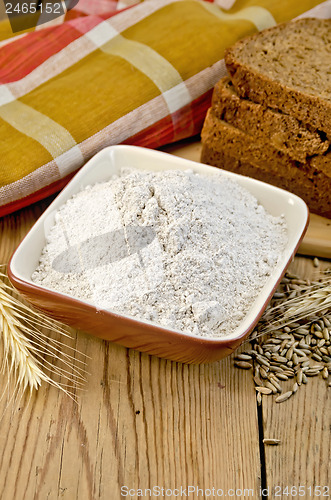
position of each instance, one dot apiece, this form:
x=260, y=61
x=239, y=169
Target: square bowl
x=133, y=333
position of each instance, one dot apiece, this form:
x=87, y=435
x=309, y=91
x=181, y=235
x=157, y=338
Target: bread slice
x=296, y=182
x=228, y=147
x=222, y=136
x=284, y=132
x=287, y=67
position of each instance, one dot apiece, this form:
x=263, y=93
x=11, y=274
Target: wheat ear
x=313, y=299
x=26, y=348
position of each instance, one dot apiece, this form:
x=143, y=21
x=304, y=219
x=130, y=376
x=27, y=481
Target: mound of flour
x=186, y=251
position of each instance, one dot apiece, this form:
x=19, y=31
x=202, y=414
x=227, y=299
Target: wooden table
x=144, y=422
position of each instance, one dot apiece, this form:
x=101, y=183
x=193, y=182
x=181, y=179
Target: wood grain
x=303, y=425
x=317, y=240
x=141, y=422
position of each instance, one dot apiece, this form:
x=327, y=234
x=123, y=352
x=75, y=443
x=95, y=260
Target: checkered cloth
x=143, y=76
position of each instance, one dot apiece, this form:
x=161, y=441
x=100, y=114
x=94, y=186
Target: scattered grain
x=243, y=357
x=283, y=397
x=264, y=390
x=282, y=376
x=243, y=364
x=258, y=381
x=272, y=442
x=294, y=332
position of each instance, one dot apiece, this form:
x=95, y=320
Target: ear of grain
x=29, y=355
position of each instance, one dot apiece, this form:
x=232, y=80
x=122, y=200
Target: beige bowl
x=127, y=331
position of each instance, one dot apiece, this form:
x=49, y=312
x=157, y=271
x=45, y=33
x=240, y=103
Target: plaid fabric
x=142, y=76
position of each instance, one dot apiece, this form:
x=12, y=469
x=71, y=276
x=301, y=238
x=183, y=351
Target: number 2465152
x=302, y=491
x=31, y=8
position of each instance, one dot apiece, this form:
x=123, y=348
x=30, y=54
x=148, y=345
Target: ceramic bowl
x=143, y=335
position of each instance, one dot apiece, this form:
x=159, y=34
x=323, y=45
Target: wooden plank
x=302, y=423
x=141, y=422
x=317, y=241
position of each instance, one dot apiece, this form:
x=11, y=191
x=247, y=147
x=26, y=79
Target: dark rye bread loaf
x=228, y=147
x=284, y=132
x=287, y=67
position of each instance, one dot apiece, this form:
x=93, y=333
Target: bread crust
x=274, y=91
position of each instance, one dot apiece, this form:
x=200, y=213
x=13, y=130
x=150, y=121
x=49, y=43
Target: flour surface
x=186, y=251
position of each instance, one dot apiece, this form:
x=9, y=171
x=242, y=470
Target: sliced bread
x=228, y=147
x=295, y=181
x=287, y=67
x=222, y=136
x=284, y=132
